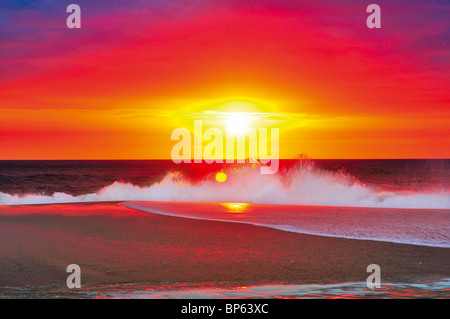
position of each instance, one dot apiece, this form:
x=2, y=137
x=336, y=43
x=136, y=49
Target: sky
x=136, y=70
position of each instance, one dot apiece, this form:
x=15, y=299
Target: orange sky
x=117, y=87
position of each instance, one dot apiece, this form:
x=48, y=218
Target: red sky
x=117, y=87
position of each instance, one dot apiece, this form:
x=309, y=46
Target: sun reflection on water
x=235, y=208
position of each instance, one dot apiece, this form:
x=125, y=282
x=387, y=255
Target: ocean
x=390, y=184
x=351, y=290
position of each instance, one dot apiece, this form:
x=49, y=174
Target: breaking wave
x=300, y=185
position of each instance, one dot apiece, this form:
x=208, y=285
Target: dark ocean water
x=84, y=177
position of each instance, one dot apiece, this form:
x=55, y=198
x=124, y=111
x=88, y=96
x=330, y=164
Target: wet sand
x=114, y=244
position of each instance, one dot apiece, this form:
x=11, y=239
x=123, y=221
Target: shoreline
x=177, y=209
x=114, y=244
x=212, y=202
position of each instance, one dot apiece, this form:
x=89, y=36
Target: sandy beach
x=114, y=244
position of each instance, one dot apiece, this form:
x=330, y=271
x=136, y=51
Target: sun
x=221, y=177
x=237, y=123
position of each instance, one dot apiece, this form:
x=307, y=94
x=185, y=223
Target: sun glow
x=237, y=123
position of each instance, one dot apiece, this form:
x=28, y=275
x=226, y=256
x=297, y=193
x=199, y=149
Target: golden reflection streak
x=235, y=208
